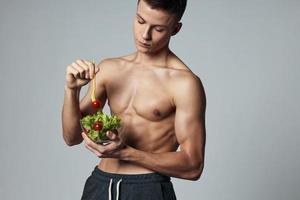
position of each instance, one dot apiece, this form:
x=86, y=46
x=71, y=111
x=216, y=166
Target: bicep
x=190, y=131
x=100, y=91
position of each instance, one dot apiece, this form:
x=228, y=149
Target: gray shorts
x=102, y=185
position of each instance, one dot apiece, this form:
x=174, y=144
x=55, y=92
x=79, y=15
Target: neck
x=159, y=58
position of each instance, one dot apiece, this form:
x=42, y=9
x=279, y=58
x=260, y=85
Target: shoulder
x=187, y=88
x=184, y=82
x=174, y=62
x=108, y=67
x=183, y=76
x=115, y=62
x=108, y=62
x=190, y=96
x=187, y=80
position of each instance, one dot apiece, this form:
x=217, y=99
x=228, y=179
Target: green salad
x=96, y=126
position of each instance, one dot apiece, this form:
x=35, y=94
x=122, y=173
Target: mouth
x=144, y=44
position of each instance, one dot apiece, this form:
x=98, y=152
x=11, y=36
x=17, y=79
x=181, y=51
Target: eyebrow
x=154, y=24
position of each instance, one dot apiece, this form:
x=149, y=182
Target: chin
x=143, y=50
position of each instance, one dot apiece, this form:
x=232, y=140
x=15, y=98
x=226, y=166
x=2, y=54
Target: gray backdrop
x=245, y=52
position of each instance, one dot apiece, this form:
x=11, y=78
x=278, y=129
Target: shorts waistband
x=130, y=178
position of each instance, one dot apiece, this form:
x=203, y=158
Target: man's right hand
x=79, y=73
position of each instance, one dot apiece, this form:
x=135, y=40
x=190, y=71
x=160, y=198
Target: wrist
x=129, y=153
x=75, y=90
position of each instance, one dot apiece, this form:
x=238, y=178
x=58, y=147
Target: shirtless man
x=161, y=104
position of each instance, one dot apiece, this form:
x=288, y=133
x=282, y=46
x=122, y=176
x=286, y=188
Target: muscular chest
x=140, y=92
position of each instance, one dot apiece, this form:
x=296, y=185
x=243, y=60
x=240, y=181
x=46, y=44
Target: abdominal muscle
x=113, y=165
x=142, y=134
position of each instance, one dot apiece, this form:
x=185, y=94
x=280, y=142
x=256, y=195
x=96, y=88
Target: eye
x=140, y=21
x=159, y=30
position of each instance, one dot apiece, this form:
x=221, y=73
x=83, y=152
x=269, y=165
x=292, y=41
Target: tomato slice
x=96, y=104
x=97, y=126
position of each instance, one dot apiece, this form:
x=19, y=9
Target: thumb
x=111, y=135
x=96, y=69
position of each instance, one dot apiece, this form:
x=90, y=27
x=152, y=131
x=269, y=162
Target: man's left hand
x=116, y=148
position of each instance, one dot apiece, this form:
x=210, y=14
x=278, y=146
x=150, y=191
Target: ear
x=177, y=28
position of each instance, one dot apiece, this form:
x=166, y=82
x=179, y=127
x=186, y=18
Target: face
x=153, y=28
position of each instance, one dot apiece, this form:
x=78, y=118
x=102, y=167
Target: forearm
x=71, y=116
x=174, y=164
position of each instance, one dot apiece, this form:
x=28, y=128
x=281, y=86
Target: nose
x=147, y=33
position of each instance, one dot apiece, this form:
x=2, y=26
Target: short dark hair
x=176, y=7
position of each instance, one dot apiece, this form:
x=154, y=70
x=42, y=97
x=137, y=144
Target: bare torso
x=142, y=97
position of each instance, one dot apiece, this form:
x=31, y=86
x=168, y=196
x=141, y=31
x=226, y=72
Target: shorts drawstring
x=109, y=189
x=118, y=187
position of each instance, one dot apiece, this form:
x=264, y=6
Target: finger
x=115, y=154
x=93, y=150
x=111, y=135
x=84, y=66
x=115, y=131
x=111, y=148
x=79, y=69
x=88, y=63
x=104, y=151
x=88, y=140
x=97, y=68
x=93, y=69
x=89, y=144
x=99, y=148
x=82, y=63
x=73, y=71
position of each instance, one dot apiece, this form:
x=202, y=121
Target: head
x=156, y=21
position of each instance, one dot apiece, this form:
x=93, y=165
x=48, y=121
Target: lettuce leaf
x=109, y=123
